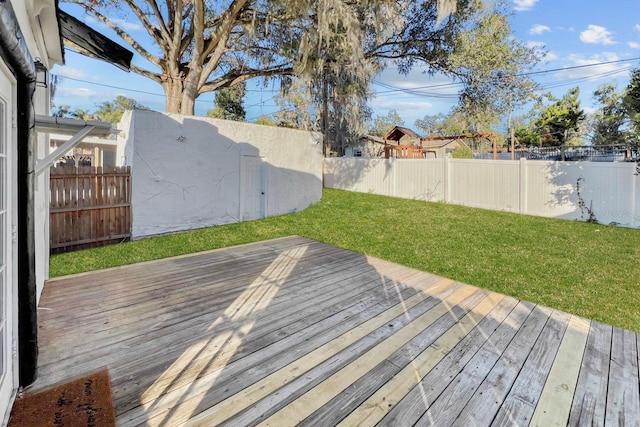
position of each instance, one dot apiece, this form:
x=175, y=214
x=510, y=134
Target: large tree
x=559, y=123
x=490, y=62
x=383, y=124
x=107, y=111
x=631, y=101
x=454, y=123
x=206, y=45
x=334, y=46
x=112, y=111
x=608, y=123
x=552, y=121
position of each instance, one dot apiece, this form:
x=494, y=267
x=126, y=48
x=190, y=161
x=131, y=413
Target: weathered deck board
x=554, y=405
x=407, y=366
x=449, y=404
x=490, y=395
x=521, y=402
x=314, y=399
x=589, y=402
x=188, y=312
x=623, y=401
x=293, y=331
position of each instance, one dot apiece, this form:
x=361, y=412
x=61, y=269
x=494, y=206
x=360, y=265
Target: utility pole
x=511, y=130
x=512, y=136
x=325, y=115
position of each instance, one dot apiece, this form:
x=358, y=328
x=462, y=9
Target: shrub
x=462, y=153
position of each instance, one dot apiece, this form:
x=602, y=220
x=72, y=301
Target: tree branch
x=126, y=37
x=153, y=76
x=163, y=26
x=217, y=46
x=233, y=77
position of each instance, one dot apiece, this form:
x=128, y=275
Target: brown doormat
x=86, y=401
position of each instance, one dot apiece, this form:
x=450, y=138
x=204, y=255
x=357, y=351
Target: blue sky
x=571, y=32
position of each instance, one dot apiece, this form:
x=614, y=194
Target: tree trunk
x=173, y=93
x=181, y=95
x=189, y=95
x=188, y=106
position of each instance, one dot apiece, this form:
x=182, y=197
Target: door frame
x=9, y=381
x=263, y=180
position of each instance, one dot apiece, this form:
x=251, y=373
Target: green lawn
x=586, y=269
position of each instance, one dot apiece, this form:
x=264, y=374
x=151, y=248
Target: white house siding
x=548, y=189
x=193, y=172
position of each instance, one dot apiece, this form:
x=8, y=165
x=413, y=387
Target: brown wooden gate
x=89, y=207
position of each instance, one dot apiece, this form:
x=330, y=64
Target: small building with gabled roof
x=402, y=136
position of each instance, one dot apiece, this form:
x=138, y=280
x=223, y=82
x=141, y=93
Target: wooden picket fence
x=89, y=207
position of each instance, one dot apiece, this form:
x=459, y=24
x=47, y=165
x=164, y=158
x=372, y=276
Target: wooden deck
x=294, y=331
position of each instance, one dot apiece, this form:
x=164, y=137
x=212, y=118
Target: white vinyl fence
x=566, y=190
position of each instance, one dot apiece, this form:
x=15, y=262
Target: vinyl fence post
x=394, y=180
x=634, y=198
x=522, y=177
x=447, y=179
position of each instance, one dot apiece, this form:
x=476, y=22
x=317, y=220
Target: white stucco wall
x=188, y=172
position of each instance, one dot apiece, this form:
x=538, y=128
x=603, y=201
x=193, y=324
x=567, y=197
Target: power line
x=575, y=67
x=418, y=90
x=129, y=89
x=551, y=85
x=119, y=87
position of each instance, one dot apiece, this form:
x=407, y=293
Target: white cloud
x=636, y=27
x=123, y=24
x=416, y=78
x=126, y=25
x=595, y=34
x=534, y=44
x=540, y=48
x=77, y=92
x=70, y=72
x=596, y=71
x=524, y=4
x=400, y=105
x=539, y=29
x=431, y=94
x=634, y=45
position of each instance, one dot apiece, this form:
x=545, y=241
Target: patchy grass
x=587, y=269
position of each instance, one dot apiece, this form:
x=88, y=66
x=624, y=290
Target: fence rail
x=602, y=153
x=89, y=207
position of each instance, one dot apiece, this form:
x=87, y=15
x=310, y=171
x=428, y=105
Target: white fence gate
x=551, y=189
